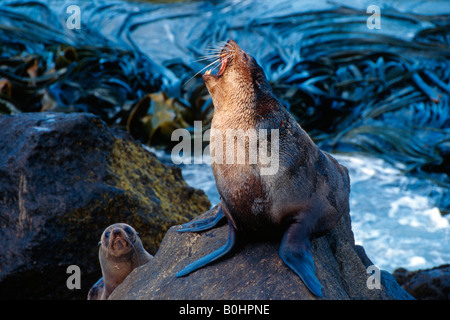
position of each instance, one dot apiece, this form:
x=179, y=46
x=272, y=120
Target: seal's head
x=239, y=80
x=120, y=252
x=118, y=239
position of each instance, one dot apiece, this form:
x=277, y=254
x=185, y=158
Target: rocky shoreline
x=428, y=284
x=65, y=177
x=255, y=271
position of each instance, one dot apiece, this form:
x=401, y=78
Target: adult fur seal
x=120, y=252
x=305, y=198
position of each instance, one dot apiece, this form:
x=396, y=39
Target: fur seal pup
x=120, y=252
x=305, y=198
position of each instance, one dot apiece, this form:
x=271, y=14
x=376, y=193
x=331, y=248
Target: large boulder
x=255, y=270
x=63, y=179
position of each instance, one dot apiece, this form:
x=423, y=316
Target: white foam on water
x=394, y=217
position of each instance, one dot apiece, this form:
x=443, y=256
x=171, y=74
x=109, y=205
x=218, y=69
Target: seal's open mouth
x=223, y=65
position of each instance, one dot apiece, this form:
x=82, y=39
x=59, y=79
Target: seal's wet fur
x=305, y=198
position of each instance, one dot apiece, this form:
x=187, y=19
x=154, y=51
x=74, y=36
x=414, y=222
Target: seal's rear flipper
x=205, y=224
x=295, y=250
x=213, y=255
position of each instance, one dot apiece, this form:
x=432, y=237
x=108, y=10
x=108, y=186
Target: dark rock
x=63, y=179
x=255, y=270
x=429, y=284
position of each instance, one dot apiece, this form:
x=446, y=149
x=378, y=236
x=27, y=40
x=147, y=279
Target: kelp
x=384, y=92
x=156, y=116
x=99, y=80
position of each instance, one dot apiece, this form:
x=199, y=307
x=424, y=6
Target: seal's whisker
x=216, y=49
x=228, y=47
x=215, y=67
x=132, y=246
x=208, y=57
x=212, y=55
x=215, y=52
x=135, y=251
x=219, y=45
x=217, y=55
x=217, y=61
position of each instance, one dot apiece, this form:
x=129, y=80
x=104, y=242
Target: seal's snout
x=232, y=43
x=233, y=50
x=224, y=56
x=116, y=232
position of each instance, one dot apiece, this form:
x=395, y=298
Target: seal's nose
x=116, y=232
x=232, y=44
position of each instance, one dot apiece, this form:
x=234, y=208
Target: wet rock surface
x=255, y=270
x=63, y=179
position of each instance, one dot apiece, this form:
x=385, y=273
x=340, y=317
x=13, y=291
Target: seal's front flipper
x=295, y=250
x=205, y=224
x=213, y=255
x=95, y=293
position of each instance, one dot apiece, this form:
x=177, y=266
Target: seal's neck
x=244, y=114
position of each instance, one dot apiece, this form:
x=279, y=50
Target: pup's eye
x=128, y=230
x=107, y=233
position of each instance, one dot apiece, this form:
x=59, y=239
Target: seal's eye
x=128, y=230
x=107, y=233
